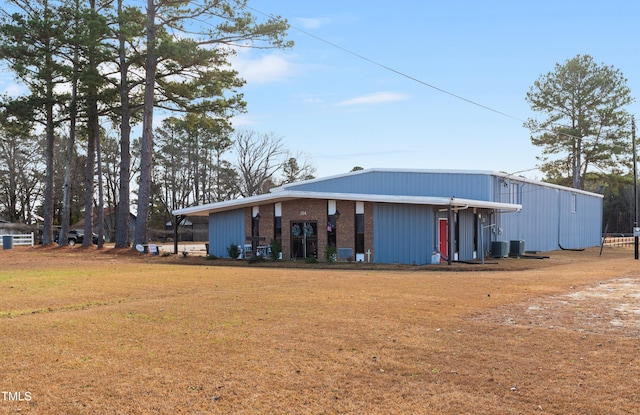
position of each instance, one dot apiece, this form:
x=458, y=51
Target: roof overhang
x=284, y=195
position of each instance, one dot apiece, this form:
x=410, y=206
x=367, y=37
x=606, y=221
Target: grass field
x=90, y=332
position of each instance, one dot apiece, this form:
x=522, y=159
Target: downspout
x=559, y=217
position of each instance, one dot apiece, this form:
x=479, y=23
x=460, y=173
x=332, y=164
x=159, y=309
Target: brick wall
x=304, y=210
x=265, y=227
x=368, y=230
x=345, y=226
x=313, y=210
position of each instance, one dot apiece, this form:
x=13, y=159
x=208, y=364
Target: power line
x=398, y=72
x=381, y=65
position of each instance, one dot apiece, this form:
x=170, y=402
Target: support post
x=176, y=221
x=449, y=233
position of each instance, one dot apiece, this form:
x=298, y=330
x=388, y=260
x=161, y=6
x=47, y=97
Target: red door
x=443, y=238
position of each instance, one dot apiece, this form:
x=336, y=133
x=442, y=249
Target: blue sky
x=343, y=111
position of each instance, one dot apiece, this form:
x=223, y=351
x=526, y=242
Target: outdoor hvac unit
x=499, y=249
x=516, y=248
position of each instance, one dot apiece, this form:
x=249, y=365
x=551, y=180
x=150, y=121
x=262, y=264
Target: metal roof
x=512, y=176
x=283, y=195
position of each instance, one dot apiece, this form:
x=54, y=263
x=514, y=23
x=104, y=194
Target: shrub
x=275, y=248
x=233, y=251
x=330, y=253
x=256, y=259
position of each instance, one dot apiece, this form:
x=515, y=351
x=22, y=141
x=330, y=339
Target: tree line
x=92, y=70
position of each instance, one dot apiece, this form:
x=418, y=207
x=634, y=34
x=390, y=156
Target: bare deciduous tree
x=259, y=158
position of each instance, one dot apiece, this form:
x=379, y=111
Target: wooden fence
x=619, y=241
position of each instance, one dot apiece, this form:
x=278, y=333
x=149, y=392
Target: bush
x=233, y=251
x=330, y=253
x=311, y=260
x=275, y=248
x=256, y=259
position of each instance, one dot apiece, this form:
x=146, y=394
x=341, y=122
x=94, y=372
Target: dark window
x=255, y=226
x=277, y=229
x=331, y=231
x=360, y=233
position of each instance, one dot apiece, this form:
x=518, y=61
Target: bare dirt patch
x=110, y=332
x=608, y=306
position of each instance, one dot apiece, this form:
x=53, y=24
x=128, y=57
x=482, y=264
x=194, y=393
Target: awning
x=281, y=196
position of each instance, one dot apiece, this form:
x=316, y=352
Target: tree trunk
x=100, y=218
x=66, y=187
x=122, y=221
x=92, y=115
x=47, y=229
x=146, y=142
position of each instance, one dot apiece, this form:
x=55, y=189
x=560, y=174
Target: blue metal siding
x=580, y=228
x=547, y=222
x=225, y=228
x=466, y=232
x=461, y=185
x=403, y=233
x=466, y=227
x=536, y=223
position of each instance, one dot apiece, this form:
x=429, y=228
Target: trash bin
x=7, y=241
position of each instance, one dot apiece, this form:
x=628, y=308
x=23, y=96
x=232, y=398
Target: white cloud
x=15, y=90
x=268, y=68
x=312, y=22
x=244, y=120
x=312, y=100
x=376, y=98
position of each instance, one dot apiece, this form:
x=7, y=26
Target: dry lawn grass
x=89, y=332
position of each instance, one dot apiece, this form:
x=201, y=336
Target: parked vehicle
x=76, y=236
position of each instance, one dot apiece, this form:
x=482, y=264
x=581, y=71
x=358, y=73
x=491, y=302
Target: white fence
x=21, y=239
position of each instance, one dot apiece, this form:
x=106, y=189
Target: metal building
x=407, y=216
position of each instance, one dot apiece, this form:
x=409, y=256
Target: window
x=255, y=221
x=515, y=193
x=359, y=227
x=277, y=223
x=574, y=201
x=332, y=238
